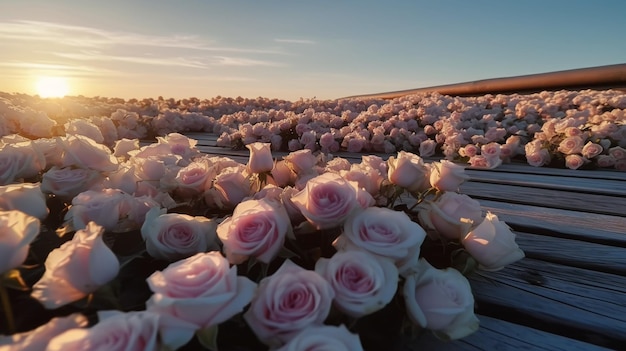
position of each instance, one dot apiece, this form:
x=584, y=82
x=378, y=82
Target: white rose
x=194, y=179
x=173, y=236
x=452, y=215
x=84, y=128
x=20, y=160
x=301, y=160
x=38, y=339
x=440, y=300
x=17, y=231
x=232, y=186
x=571, y=145
x=492, y=244
x=591, y=150
x=80, y=151
x=102, y=207
x=574, y=161
x=25, y=197
x=76, y=269
x=363, y=283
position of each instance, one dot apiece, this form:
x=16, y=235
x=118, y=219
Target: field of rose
x=574, y=129
x=162, y=247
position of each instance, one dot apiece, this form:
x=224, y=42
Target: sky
x=322, y=49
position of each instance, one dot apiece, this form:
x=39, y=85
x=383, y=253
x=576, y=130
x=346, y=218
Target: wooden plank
x=592, y=203
x=572, y=184
x=578, y=303
x=601, y=229
x=495, y=334
x=575, y=253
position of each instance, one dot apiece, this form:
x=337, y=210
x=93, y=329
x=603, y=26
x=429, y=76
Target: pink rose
x=288, y=302
x=617, y=152
x=282, y=174
x=38, y=339
x=202, y=290
x=76, y=269
x=591, y=150
x=261, y=159
x=491, y=150
x=452, y=215
x=301, y=161
x=257, y=229
x=173, y=236
x=194, y=179
x=363, y=283
x=440, y=300
x=25, y=197
x=480, y=161
x=68, y=182
x=492, y=244
x=326, y=201
x=102, y=207
x=468, y=150
x=324, y=337
x=427, y=148
x=180, y=145
x=124, y=146
x=408, y=170
x=366, y=177
x=447, y=176
x=137, y=330
x=232, y=185
x=383, y=232
x=17, y=231
x=83, y=152
x=538, y=158
x=574, y=161
x=571, y=145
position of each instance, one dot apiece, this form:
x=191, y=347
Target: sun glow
x=52, y=87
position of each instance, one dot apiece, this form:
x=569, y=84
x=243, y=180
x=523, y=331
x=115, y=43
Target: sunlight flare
x=52, y=87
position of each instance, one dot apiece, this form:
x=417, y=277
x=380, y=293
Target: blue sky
x=292, y=49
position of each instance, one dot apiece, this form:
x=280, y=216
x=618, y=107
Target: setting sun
x=52, y=87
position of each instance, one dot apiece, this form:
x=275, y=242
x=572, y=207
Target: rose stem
x=6, y=305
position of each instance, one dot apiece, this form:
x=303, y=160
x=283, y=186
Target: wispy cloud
x=240, y=61
x=295, y=41
x=70, y=70
x=145, y=60
x=89, y=37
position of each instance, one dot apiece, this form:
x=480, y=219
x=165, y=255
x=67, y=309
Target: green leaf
x=286, y=253
x=13, y=280
x=208, y=337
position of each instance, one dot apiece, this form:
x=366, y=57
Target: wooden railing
x=599, y=78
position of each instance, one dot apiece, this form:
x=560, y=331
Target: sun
x=52, y=87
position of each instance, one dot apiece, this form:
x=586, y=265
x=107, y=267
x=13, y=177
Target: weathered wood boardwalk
x=569, y=293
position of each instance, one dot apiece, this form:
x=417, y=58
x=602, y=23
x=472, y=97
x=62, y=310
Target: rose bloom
x=491, y=150
x=180, y=145
x=441, y=301
x=452, y=215
x=571, y=145
x=326, y=201
x=203, y=290
x=605, y=161
x=232, y=186
x=620, y=164
x=383, y=232
x=17, y=231
x=37, y=339
x=427, y=148
x=130, y=331
x=324, y=337
x=591, y=150
x=366, y=177
x=282, y=175
x=261, y=159
x=538, y=158
x=25, y=197
x=287, y=302
x=363, y=283
x=124, y=146
x=446, y=175
x=172, y=236
x=83, y=152
x=68, y=182
x=194, y=179
x=84, y=128
x=301, y=161
x=480, y=161
x=468, y=150
x=617, y=152
x=574, y=161
x=492, y=244
x=103, y=207
x=408, y=170
x=20, y=160
x=257, y=229
x=76, y=269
